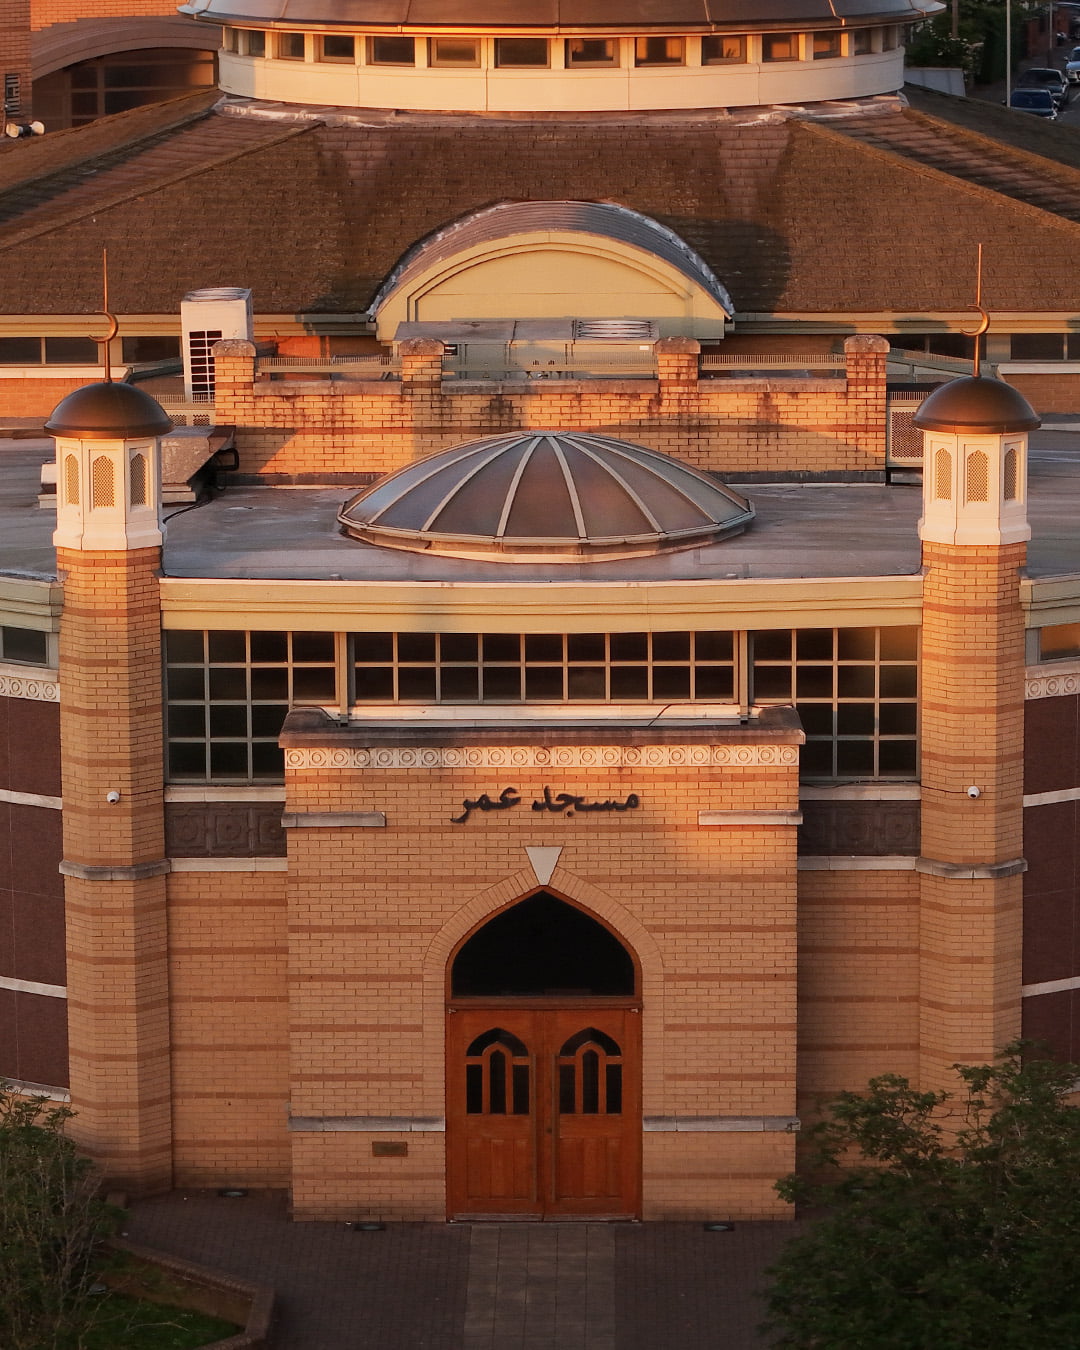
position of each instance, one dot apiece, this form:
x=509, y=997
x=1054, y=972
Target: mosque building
x=534, y=708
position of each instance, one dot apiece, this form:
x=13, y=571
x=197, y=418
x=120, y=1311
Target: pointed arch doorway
x=543, y=1116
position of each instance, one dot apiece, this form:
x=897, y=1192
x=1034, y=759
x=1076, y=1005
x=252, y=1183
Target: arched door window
x=590, y=1075
x=498, y=1071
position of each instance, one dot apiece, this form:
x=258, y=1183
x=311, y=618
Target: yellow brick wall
x=727, y=426
x=111, y=740
x=375, y=913
x=228, y=953
x=972, y=735
x=858, y=981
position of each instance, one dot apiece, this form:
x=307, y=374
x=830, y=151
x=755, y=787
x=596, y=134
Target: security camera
x=112, y=797
x=974, y=792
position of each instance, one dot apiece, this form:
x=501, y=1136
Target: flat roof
x=801, y=530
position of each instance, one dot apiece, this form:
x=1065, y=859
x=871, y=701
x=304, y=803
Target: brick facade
x=118, y=991
x=308, y=429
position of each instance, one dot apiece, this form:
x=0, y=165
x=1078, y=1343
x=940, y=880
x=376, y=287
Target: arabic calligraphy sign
x=559, y=803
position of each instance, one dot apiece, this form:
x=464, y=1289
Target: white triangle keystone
x=544, y=862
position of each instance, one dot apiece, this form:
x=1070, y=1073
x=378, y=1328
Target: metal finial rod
x=984, y=318
x=114, y=327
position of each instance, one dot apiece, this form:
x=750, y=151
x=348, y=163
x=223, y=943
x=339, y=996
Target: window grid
x=856, y=691
x=227, y=694
x=855, y=688
x=543, y=668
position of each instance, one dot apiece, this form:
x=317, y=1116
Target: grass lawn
x=124, y=1323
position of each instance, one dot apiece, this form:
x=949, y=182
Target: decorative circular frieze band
x=21, y=686
x=545, y=756
x=1052, y=685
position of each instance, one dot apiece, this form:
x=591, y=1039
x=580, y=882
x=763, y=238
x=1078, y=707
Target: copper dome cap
x=546, y=496
x=975, y=403
x=109, y=412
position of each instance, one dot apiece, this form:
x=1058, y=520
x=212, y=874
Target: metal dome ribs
x=546, y=496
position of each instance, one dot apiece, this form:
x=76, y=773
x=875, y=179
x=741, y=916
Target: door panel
x=596, y=1135
x=492, y=1144
x=543, y=1112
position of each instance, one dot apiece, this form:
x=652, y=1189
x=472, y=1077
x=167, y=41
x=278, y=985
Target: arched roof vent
x=546, y=496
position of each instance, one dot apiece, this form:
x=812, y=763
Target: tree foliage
x=51, y=1221
x=979, y=47
x=951, y=1219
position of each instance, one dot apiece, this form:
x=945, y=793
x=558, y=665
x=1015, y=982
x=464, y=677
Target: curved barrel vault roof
x=526, y=228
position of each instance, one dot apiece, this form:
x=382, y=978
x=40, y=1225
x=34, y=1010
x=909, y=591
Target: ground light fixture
x=367, y=1226
x=718, y=1226
x=232, y=1193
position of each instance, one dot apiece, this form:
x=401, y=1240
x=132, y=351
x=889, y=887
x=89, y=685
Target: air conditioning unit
x=206, y=317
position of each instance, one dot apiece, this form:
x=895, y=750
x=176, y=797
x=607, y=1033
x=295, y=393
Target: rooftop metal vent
x=617, y=330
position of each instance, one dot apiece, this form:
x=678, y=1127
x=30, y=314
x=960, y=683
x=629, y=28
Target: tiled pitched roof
x=861, y=214
x=869, y=229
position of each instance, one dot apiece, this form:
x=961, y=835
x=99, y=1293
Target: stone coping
x=213, y=1292
x=306, y=727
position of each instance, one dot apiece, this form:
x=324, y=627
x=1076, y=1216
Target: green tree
x=979, y=47
x=51, y=1222
x=950, y=1220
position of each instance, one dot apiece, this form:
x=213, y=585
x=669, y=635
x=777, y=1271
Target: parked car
x=1072, y=66
x=1037, y=101
x=1046, y=77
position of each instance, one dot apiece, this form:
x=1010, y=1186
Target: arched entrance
x=543, y=1113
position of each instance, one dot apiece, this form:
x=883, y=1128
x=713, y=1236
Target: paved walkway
x=478, y=1287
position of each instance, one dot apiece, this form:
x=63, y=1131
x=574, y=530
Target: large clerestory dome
x=558, y=56
x=609, y=15
x=546, y=496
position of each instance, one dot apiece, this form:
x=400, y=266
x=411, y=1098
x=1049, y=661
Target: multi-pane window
x=50, y=351
x=723, y=49
x=1045, y=346
x=856, y=690
x=228, y=694
x=827, y=45
x=862, y=41
x=113, y=83
x=255, y=43
x=543, y=667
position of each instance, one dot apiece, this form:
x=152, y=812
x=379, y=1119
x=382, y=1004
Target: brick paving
x=665, y=1286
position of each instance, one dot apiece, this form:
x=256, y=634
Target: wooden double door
x=544, y=1111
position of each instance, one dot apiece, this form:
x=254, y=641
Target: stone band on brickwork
x=136, y=872
x=31, y=799
x=971, y=871
x=33, y=987
x=368, y=1124
x=720, y=1124
x=25, y=686
x=333, y=820
x=749, y=817
x=543, y=757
